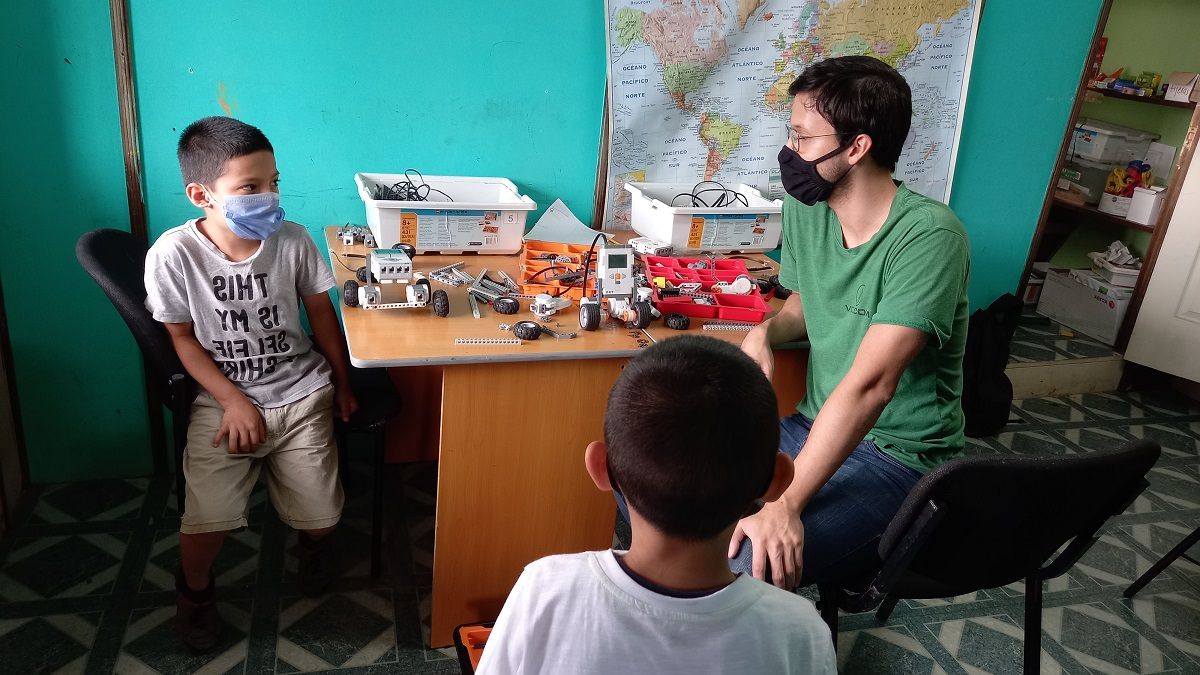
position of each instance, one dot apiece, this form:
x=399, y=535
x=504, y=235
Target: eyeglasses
x=794, y=139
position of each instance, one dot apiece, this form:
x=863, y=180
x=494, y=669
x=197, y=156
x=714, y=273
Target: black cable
x=407, y=190
x=338, y=258
x=726, y=197
x=587, y=263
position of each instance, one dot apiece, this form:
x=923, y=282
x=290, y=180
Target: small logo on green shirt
x=857, y=307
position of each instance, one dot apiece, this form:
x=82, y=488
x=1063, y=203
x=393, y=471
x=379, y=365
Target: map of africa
x=699, y=87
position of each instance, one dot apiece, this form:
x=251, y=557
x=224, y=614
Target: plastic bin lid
x=1091, y=164
x=1108, y=128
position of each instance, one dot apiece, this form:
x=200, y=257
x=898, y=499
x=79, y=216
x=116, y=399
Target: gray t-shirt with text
x=245, y=314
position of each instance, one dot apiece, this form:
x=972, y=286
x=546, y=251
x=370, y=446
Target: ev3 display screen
x=617, y=261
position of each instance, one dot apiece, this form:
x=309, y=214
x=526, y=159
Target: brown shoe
x=318, y=565
x=196, y=618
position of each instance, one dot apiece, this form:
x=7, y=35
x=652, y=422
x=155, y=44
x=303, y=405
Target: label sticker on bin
x=450, y=227
x=727, y=230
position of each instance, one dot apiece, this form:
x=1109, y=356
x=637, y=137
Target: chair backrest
x=116, y=260
x=1003, y=517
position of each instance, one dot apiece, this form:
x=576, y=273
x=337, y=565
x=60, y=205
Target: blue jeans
x=845, y=519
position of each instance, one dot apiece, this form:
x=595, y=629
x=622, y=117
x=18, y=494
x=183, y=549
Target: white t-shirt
x=245, y=314
x=581, y=613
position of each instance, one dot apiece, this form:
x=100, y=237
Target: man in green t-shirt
x=880, y=275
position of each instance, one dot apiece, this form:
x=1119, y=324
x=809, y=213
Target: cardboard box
x=1146, y=205
x=1114, y=204
x=1094, y=309
x=1181, y=87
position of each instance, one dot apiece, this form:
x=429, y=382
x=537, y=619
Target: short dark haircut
x=861, y=95
x=208, y=143
x=692, y=432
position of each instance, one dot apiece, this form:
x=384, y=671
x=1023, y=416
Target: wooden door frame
x=1178, y=173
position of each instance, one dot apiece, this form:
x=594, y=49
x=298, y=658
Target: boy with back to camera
x=228, y=287
x=691, y=442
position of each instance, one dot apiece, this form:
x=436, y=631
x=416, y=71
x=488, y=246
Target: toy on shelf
x=1122, y=180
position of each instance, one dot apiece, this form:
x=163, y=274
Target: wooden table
x=514, y=423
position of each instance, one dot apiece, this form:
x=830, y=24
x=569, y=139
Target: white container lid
x=1110, y=129
x=1091, y=164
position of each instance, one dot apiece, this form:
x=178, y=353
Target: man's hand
x=245, y=427
x=347, y=405
x=777, y=538
x=757, y=346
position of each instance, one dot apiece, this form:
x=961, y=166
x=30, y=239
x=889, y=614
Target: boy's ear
x=785, y=469
x=595, y=459
x=197, y=196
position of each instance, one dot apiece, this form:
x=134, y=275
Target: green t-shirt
x=913, y=272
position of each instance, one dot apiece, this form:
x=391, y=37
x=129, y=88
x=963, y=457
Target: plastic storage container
x=487, y=215
x=726, y=306
x=1088, y=176
x=1099, y=141
x=753, y=228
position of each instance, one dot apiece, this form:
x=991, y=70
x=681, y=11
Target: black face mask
x=800, y=176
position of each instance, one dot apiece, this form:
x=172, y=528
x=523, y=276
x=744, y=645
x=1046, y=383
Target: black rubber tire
x=506, y=306
x=407, y=248
x=781, y=291
x=589, y=316
x=350, y=293
x=527, y=330
x=364, y=276
x=677, y=321
x=643, y=314
x=440, y=302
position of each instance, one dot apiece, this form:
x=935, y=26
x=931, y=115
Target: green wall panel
x=1018, y=107
x=511, y=89
x=77, y=368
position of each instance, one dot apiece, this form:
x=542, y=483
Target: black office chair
x=116, y=260
x=984, y=522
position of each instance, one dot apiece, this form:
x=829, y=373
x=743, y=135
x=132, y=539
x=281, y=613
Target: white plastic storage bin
x=753, y=228
x=487, y=215
x=1106, y=142
x=1088, y=176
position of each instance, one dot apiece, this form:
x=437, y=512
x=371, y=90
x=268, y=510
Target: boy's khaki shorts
x=300, y=456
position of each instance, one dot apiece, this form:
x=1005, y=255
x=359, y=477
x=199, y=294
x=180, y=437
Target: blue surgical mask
x=254, y=217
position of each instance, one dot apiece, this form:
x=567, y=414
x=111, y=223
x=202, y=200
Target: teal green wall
x=1028, y=61
x=61, y=174
x=508, y=89
x=486, y=88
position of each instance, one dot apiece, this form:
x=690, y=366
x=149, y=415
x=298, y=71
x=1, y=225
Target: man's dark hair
x=861, y=95
x=208, y=143
x=692, y=431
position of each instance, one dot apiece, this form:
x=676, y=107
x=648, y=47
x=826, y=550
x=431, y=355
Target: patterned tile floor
x=85, y=581
x=1040, y=339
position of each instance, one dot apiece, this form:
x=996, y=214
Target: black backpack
x=987, y=392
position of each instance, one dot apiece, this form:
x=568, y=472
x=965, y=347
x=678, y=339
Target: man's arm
x=242, y=422
x=328, y=334
x=850, y=412
x=786, y=326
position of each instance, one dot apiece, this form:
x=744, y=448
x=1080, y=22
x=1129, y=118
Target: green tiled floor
x=85, y=582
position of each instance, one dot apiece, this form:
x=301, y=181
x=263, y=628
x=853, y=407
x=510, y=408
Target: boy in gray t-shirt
x=228, y=288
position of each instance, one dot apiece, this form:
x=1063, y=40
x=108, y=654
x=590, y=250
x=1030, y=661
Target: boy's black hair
x=692, y=431
x=208, y=143
x=861, y=95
